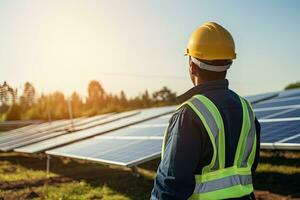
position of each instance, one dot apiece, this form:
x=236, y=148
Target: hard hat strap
x=208, y=67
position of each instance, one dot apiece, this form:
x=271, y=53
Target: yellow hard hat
x=211, y=41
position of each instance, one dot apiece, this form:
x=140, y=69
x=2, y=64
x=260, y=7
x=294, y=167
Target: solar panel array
x=280, y=120
x=45, y=131
x=130, y=138
x=130, y=118
x=280, y=129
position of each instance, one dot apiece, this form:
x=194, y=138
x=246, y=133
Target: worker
x=211, y=145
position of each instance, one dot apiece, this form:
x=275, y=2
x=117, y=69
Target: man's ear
x=193, y=69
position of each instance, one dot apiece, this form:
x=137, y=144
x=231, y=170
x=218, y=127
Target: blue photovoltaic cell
x=275, y=131
x=289, y=93
x=295, y=140
x=262, y=114
x=291, y=113
x=261, y=97
x=276, y=104
x=282, y=113
x=147, y=131
x=25, y=134
x=32, y=131
x=154, y=127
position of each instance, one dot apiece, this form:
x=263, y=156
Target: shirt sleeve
x=256, y=159
x=175, y=175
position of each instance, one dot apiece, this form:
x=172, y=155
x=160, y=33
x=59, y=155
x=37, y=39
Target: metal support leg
x=135, y=172
x=48, y=164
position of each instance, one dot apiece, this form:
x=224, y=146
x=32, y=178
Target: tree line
x=29, y=105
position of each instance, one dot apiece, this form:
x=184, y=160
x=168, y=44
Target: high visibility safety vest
x=216, y=181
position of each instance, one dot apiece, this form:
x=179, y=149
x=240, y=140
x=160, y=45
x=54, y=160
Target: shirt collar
x=203, y=88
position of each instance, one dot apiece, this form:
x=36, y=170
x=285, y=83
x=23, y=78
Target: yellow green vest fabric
x=216, y=181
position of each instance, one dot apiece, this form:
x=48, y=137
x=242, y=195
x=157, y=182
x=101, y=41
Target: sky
x=136, y=45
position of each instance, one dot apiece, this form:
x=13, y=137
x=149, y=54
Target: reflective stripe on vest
x=216, y=181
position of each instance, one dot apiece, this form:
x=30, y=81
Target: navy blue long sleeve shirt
x=188, y=147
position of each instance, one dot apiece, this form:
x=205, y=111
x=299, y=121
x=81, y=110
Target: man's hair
x=211, y=75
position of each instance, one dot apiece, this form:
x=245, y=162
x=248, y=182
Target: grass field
x=24, y=177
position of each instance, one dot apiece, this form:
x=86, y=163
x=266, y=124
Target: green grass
x=10, y=172
x=80, y=190
x=21, y=175
x=282, y=169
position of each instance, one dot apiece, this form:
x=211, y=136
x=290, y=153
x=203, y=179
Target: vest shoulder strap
x=211, y=118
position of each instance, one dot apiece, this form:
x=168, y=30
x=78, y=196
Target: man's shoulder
x=183, y=114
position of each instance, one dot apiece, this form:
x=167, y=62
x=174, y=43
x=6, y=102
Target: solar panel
x=122, y=151
x=55, y=126
x=126, y=147
x=278, y=130
x=33, y=130
x=52, y=134
x=289, y=101
x=280, y=121
x=83, y=134
x=6, y=133
x=278, y=113
x=289, y=93
x=23, y=133
x=16, y=131
x=261, y=97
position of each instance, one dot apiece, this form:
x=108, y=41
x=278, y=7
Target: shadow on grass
x=280, y=160
x=278, y=183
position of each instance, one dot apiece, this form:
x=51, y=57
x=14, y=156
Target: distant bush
x=293, y=85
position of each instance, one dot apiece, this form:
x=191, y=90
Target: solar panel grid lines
x=9, y=147
x=277, y=104
x=39, y=128
x=289, y=138
x=111, y=118
x=118, y=151
x=287, y=119
x=261, y=97
x=283, y=99
x=283, y=113
x=87, y=122
x=289, y=93
x=276, y=131
x=32, y=136
x=17, y=130
x=8, y=134
x=126, y=152
x=145, y=114
x=38, y=136
x=275, y=108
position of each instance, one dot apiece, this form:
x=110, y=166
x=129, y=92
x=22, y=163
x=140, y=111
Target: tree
x=57, y=105
x=293, y=85
x=165, y=95
x=146, y=99
x=77, y=104
x=28, y=97
x=123, y=100
x=96, y=96
x=7, y=96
